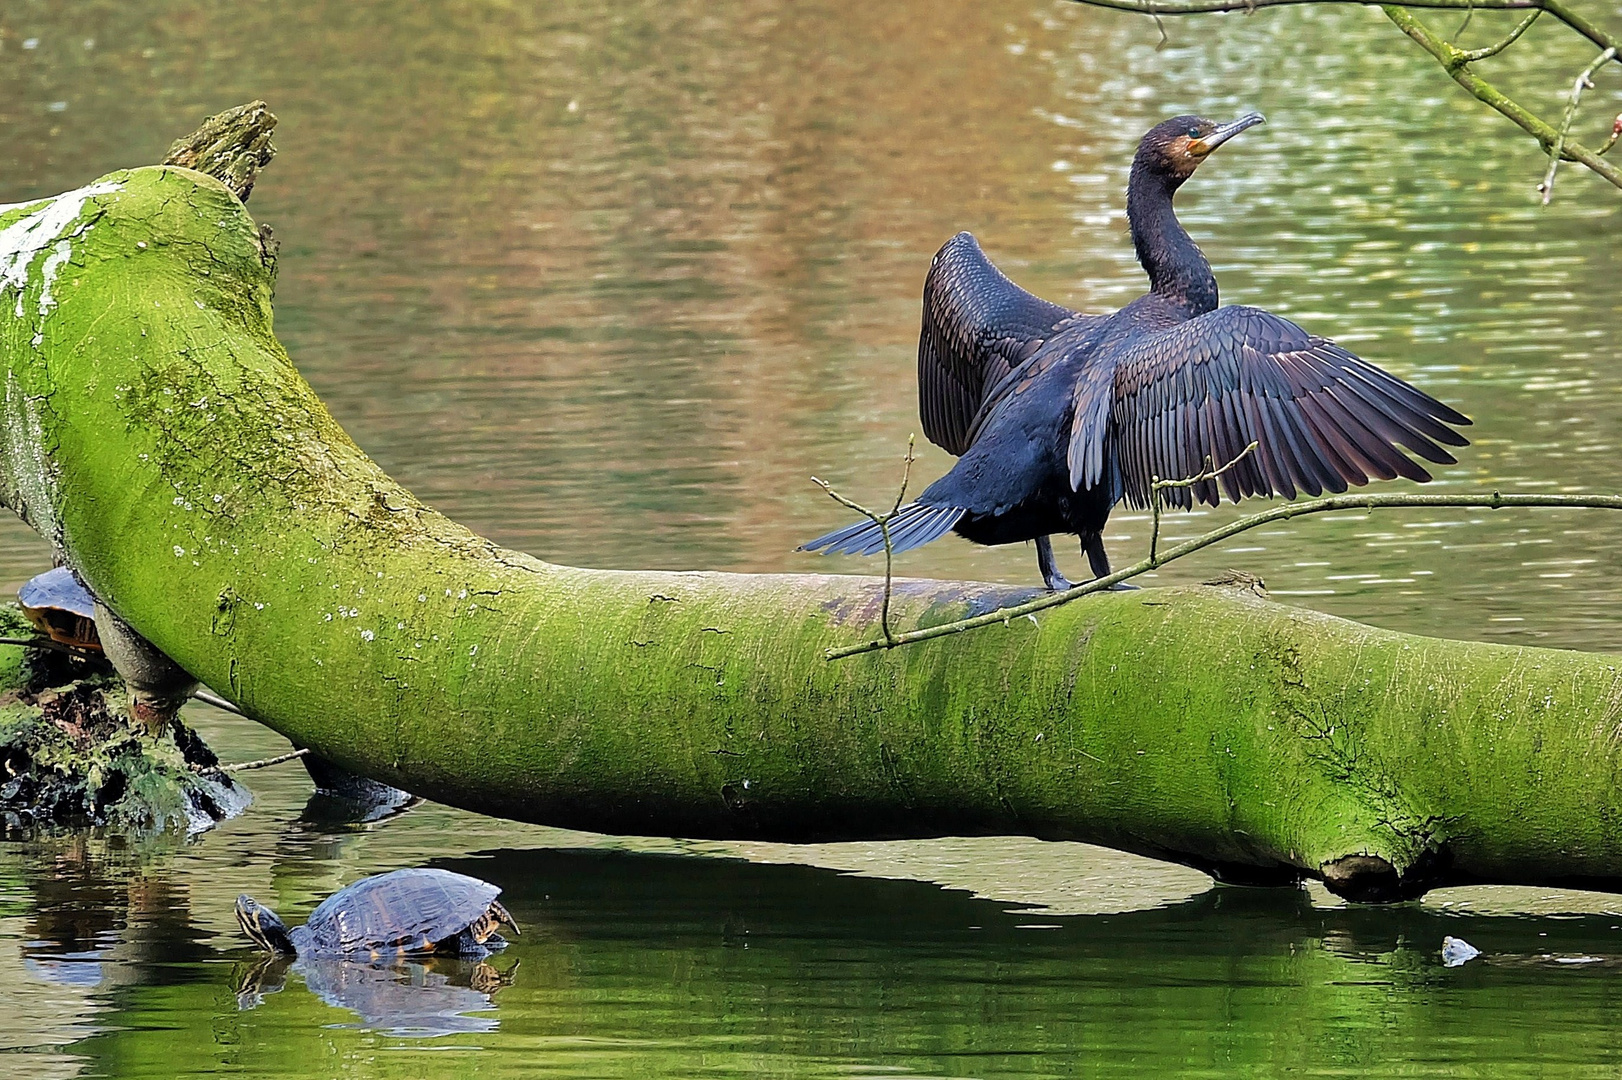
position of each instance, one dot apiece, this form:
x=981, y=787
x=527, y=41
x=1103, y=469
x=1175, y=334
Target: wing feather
x=1361, y=425
x=1322, y=418
x=977, y=327
x=1339, y=468
x=1359, y=441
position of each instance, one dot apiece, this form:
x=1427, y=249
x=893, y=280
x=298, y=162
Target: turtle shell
x=61, y=607
x=401, y=911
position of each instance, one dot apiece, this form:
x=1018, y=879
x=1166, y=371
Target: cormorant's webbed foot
x=1094, y=547
x=1050, y=570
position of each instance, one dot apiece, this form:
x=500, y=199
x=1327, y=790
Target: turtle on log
x=69, y=614
x=62, y=608
x=404, y=911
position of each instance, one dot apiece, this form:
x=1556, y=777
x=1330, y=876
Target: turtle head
x=261, y=924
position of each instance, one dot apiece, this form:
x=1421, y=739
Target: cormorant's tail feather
x=913, y=526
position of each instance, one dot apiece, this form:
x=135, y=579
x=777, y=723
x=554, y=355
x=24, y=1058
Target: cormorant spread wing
x=1055, y=417
x=978, y=326
x=1321, y=417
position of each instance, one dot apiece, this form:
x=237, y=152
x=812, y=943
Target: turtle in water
x=62, y=608
x=403, y=911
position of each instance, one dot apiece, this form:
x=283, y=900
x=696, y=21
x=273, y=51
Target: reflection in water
x=100, y=900
x=66, y=969
x=643, y=965
x=412, y=998
x=328, y=809
x=341, y=797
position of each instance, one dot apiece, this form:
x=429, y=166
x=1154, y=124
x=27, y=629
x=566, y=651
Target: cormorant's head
x=1174, y=148
x=261, y=924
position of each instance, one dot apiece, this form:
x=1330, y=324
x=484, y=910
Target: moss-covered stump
x=69, y=757
x=153, y=429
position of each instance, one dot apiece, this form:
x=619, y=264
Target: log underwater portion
x=155, y=431
x=69, y=756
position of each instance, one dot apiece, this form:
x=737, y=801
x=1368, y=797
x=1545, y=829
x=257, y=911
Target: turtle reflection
x=415, y=997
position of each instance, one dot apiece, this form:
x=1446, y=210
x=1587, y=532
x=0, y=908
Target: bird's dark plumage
x=1057, y=416
x=978, y=326
x=1321, y=417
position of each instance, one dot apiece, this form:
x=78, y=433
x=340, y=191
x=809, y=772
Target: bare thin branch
x=1584, y=82
x=1616, y=133
x=206, y=696
x=43, y=643
x=841, y=500
x=1157, y=485
x=883, y=522
x=1494, y=501
x=209, y=697
x=262, y=763
x=906, y=474
x=1160, y=24
x=1454, y=60
x=1556, y=8
x=889, y=548
x=1472, y=55
x=1469, y=13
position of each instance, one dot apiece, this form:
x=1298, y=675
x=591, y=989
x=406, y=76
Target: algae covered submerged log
x=69, y=757
x=156, y=432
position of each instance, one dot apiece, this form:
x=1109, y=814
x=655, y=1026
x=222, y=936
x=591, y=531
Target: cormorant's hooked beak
x=1224, y=132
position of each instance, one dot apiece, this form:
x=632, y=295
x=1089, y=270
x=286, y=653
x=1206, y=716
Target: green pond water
x=609, y=282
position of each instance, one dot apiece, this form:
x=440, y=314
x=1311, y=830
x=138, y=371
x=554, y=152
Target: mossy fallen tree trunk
x=156, y=432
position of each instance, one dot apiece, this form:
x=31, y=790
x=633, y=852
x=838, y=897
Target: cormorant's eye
x=1193, y=133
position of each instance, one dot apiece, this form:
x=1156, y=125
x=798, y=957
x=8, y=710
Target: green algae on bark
x=154, y=429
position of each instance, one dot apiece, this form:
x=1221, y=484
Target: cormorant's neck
x=1177, y=267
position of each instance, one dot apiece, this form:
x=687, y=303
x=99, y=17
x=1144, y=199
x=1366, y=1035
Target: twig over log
x=1157, y=485
x=883, y=522
x=1334, y=504
x=231, y=146
x=209, y=697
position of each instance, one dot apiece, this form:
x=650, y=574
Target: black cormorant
x=1057, y=416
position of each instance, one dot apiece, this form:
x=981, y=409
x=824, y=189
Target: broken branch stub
x=231, y=146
